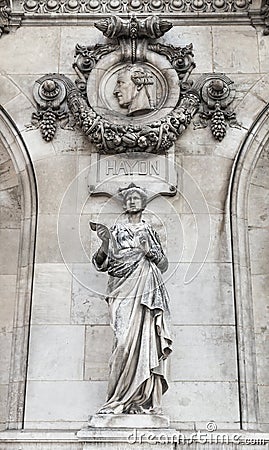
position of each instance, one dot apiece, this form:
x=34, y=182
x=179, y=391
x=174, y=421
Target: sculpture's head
x=134, y=198
x=132, y=90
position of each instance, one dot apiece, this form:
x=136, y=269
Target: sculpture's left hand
x=144, y=243
x=152, y=256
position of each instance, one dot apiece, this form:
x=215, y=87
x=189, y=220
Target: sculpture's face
x=134, y=203
x=124, y=89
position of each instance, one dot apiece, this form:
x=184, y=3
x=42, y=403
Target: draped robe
x=139, y=314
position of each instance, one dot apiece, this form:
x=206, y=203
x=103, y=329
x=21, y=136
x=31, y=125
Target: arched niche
x=246, y=169
x=18, y=204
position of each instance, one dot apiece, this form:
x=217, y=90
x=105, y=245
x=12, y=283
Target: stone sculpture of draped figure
x=138, y=302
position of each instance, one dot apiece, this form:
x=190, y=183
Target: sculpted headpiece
x=125, y=192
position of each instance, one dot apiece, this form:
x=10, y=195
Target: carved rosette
x=132, y=94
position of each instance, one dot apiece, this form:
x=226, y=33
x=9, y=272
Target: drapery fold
x=139, y=315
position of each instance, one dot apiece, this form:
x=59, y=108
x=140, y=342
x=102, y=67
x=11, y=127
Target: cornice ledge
x=55, y=12
x=182, y=12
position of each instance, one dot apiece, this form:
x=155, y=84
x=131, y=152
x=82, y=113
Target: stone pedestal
x=125, y=429
x=129, y=421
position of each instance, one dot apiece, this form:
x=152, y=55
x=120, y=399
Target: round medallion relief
x=139, y=92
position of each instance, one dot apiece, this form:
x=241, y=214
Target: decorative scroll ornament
x=131, y=95
x=5, y=12
x=217, y=93
x=181, y=60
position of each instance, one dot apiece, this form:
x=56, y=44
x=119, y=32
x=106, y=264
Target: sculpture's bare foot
x=135, y=409
x=105, y=411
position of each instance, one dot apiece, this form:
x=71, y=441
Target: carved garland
x=155, y=137
x=55, y=94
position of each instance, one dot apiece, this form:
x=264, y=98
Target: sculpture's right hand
x=102, y=231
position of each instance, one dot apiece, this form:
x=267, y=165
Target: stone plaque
x=156, y=173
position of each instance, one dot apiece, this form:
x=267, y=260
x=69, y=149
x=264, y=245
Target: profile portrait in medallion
x=135, y=89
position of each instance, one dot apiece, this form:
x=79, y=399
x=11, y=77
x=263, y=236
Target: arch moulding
x=15, y=146
x=243, y=168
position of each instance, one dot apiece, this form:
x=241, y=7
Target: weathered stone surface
x=9, y=251
x=259, y=250
x=55, y=234
x=202, y=237
x=71, y=142
x=206, y=299
x=202, y=46
x=45, y=55
x=214, y=187
x=33, y=139
x=7, y=302
x=260, y=285
x=9, y=178
x=5, y=352
x=8, y=89
x=10, y=208
x=63, y=168
x=71, y=36
x=62, y=402
x=74, y=228
x=56, y=352
x=88, y=291
x=199, y=400
x=262, y=347
x=258, y=211
x=259, y=177
x=52, y=292
x=264, y=404
x=231, y=58
x=97, y=362
x=253, y=104
x=204, y=353
x=3, y=405
x=19, y=108
x=47, y=248
x=263, y=48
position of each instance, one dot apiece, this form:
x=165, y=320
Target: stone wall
x=70, y=337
